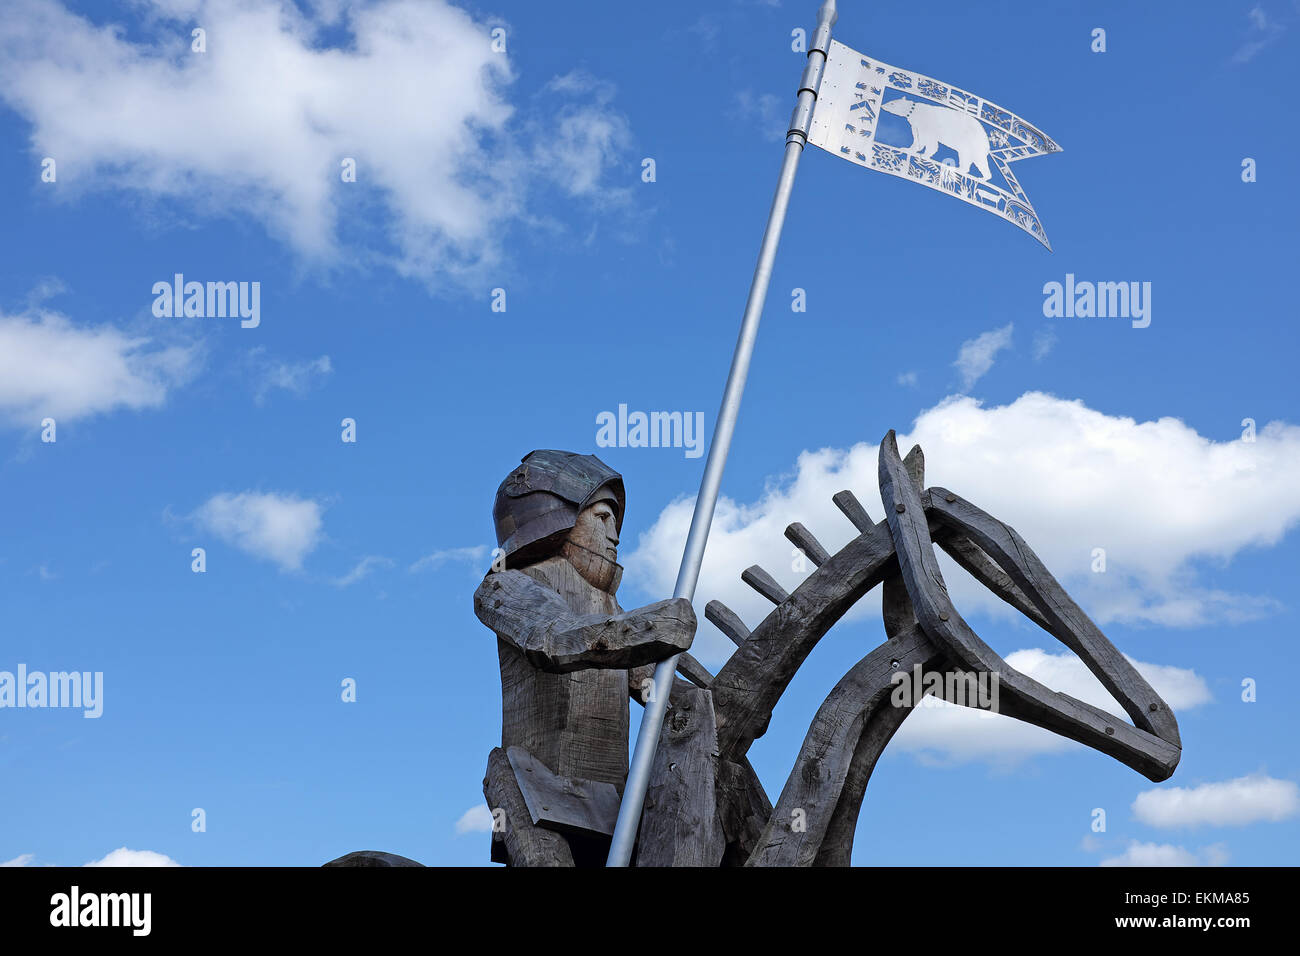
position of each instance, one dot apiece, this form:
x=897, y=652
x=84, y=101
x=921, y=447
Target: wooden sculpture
x=566, y=651
x=554, y=789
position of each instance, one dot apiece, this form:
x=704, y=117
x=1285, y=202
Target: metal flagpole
x=629, y=812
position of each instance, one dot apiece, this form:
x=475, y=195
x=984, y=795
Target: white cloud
x=50, y=366
x=477, y=819
x=472, y=556
x=767, y=111
x=119, y=857
x=1157, y=496
x=943, y=733
x=297, y=378
x=1263, y=31
x=1044, y=342
x=124, y=857
x=1230, y=803
x=46, y=288
x=908, y=379
x=583, y=139
x=447, y=150
x=362, y=570
x=1165, y=854
x=976, y=356
x=279, y=528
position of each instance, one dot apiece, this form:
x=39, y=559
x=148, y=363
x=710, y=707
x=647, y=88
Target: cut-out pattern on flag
x=909, y=125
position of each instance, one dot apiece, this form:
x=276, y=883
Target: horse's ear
x=914, y=464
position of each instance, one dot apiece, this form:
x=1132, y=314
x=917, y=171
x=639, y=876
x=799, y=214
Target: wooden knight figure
x=567, y=653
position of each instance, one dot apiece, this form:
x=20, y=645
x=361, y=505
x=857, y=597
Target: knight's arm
x=536, y=620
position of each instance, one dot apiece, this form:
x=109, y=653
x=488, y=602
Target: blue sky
x=522, y=170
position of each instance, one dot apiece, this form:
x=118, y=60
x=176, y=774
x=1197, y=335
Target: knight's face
x=597, y=531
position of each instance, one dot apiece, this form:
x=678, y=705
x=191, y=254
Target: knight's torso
x=575, y=723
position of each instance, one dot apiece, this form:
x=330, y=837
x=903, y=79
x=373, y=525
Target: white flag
x=916, y=127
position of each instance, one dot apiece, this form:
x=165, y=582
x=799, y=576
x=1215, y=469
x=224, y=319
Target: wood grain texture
x=848, y=503
x=914, y=465
x=727, y=621
x=803, y=539
x=694, y=671
x=837, y=846
x=680, y=825
x=764, y=584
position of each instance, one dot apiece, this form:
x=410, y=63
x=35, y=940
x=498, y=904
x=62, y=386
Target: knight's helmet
x=539, y=502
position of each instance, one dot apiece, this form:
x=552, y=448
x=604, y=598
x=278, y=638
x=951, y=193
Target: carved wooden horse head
x=923, y=627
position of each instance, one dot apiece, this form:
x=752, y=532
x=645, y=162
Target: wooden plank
x=679, y=823
x=801, y=819
x=848, y=503
x=727, y=621
x=764, y=584
x=562, y=803
x=978, y=564
x=895, y=606
x=694, y=671
x=1019, y=695
x=803, y=539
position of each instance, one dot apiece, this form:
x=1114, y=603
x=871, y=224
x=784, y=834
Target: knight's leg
x=524, y=844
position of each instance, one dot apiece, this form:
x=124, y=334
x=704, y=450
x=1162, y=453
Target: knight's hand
x=537, y=622
x=671, y=625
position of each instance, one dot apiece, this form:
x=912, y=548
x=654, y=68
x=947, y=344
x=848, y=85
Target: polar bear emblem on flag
x=933, y=125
